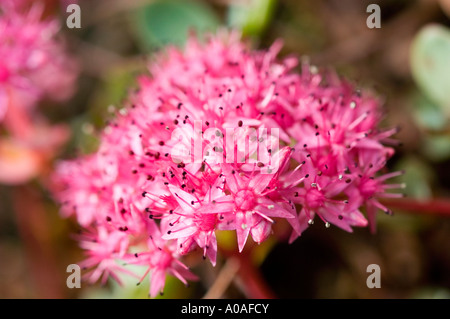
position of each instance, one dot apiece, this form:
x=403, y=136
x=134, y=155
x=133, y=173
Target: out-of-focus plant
x=430, y=64
x=165, y=22
x=430, y=58
x=34, y=67
x=37, y=73
x=252, y=17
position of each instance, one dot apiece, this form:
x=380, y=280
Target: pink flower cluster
x=34, y=66
x=33, y=62
x=141, y=205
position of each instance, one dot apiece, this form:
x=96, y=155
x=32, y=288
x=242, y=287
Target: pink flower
x=192, y=150
x=34, y=65
x=318, y=193
x=369, y=188
x=26, y=152
x=33, y=62
x=82, y=190
x=254, y=207
x=161, y=259
x=195, y=220
x=104, y=248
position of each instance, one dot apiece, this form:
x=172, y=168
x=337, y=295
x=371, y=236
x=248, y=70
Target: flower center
x=205, y=222
x=314, y=198
x=244, y=199
x=368, y=187
x=162, y=259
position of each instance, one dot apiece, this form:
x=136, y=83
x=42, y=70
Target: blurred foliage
x=166, y=22
x=428, y=115
x=437, y=148
x=251, y=17
x=418, y=177
x=430, y=63
x=129, y=289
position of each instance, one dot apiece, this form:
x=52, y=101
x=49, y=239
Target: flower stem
x=35, y=229
x=255, y=286
x=437, y=206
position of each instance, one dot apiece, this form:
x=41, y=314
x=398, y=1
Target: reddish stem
x=34, y=229
x=254, y=284
x=438, y=206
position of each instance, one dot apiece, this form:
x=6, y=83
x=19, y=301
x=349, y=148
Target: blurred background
x=406, y=61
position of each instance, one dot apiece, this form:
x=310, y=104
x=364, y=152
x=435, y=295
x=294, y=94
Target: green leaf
x=427, y=114
x=436, y=147
x=169, y=22
x=430, y=64
x=251, y=17
x=417, y=178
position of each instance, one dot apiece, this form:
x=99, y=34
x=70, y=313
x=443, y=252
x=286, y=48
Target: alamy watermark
x=374, y=279
x=74, y=19
x=374, y=19
x=200, y=143
x=74, y=279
